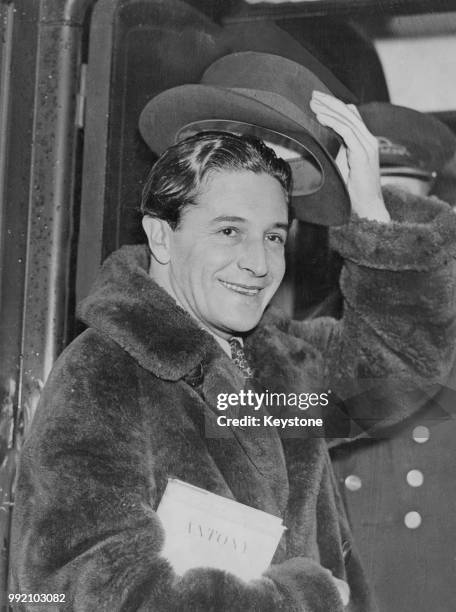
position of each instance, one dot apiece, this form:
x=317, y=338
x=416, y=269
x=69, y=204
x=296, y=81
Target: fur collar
x=126, y=305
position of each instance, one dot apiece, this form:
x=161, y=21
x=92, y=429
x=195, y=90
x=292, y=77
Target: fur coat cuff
x=296, y=585
x=420, y=236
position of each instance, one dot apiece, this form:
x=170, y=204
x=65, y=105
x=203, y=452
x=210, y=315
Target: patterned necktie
x=239, y=358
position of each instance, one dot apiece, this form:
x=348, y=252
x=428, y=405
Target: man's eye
x=229, y=231
x=277, y=238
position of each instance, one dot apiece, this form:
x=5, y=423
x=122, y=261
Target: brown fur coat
x=129, y=402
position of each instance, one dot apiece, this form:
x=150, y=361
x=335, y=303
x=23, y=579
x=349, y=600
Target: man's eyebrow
x=228, y=218
x=283, y=226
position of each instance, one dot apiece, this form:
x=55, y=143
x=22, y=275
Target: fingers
x=349, y=112
x=353, y=140
x=341, y=162
x=354, y=109
x=361, y=155
x=345, y=120
x=362, y=146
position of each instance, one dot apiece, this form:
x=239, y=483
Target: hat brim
x=165, y=115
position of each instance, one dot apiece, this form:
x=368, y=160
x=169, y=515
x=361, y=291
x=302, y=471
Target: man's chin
x=237, y=318
x=238, y=327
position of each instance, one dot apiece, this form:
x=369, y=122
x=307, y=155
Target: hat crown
x=263, y=71
x=276, y=75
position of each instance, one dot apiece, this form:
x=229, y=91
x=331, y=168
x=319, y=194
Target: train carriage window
x=423, y=47
x=151, y=46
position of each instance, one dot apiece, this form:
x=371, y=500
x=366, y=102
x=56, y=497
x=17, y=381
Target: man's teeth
x=240, y=289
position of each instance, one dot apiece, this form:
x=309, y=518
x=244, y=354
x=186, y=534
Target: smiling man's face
x=227, y=255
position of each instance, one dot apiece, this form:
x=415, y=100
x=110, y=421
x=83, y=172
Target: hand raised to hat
x=359, y=160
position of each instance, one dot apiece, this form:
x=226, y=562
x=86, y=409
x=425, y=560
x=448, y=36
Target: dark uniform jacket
x=400, y=496
x=399, y=490
x=130, y=403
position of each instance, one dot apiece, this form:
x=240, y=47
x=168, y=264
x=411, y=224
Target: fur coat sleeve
x=395, y=343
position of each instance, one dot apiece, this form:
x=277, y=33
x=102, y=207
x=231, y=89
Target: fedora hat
x=266, y=96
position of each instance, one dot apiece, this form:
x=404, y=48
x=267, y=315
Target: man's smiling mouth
x=243, y=289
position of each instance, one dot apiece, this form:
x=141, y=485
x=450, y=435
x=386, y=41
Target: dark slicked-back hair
x=176, y=177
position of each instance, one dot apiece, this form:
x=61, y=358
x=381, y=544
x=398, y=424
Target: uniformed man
x=400, y=490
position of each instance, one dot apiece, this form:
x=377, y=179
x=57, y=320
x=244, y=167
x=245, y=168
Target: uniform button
x=412, y=520
x=421, y=434
x=353, y=483
x=415, y=478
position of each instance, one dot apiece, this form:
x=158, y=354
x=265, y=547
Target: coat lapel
x=250, y=458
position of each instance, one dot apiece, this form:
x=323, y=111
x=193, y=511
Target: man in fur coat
x=133, y=400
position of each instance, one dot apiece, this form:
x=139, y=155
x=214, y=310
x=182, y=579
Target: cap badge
x=387, y=147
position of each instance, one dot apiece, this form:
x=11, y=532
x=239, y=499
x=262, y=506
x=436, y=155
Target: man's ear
x=158, y=236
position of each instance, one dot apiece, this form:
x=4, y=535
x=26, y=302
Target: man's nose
x=253, y=257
